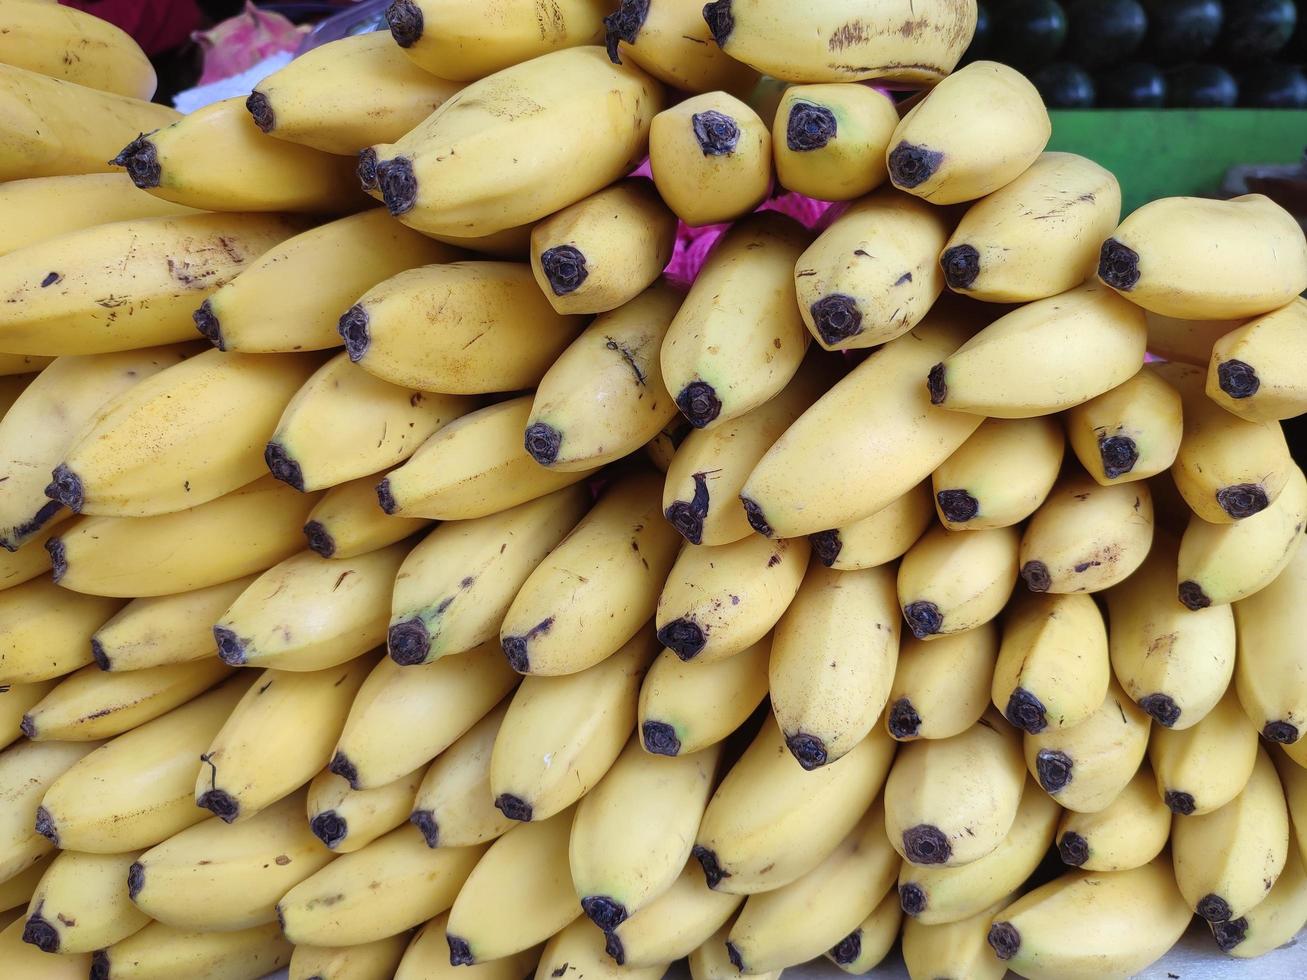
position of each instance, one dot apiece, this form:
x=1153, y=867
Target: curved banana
x=347, y=522
x=427, y=958
x=1130, y=832
x=686, y=707
x=580, y=947
x=670, y=40
x=1272, y=922
x=11, y=364
x=953, y=949
x=1268, y=671
x=25, y=962
x=1294, y=780
x=1130, y=433
x=829, y=141
x=674, y=924
x=1205, y=766
x=941, y=688
x=16, y=891
x=27, y=771
x=376, y=960
x=45, y=631
x=863, y=948
x=953, y=581
x=1256, y=370
x=28, y=562
x=159, y=952
x=1186, y=341
x=880, y=538
x=15, y=700
x=710, y=961
x=74, y=46
x=999, y=476
x=347, y=819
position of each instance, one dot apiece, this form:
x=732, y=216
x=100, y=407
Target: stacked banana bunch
x=393, y=625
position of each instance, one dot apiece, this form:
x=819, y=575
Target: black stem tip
x=320, y=539
x=345, y=769
x=353, y=329
x=517, y=654
x=425, y=822
x=624, y=24
x=329, y=827
x=716, y=133
x=283, y=466
x=65, y=487
x=961, y=265
x=564, y=266
x=1229, y=934
x=221, y=803
x=937, y=385
x=1118, y=454
x=1213, y=908
x=699, y=403
x=460, y=952
x=1026, y=711
x=409, y=642
x=904, y=722
x=826, y=545
x=911, y=166
x=1238, y=379
x=27, y=726
x=1243, y=500
x=135, y=879
x=848, y=949
x=720, y=20
x=58, y=558
x=366, y=169
x=1178, y=801
x=660, y=738
x=542, y=442
x=231, y=648
x=810, y=127
x=912, y=898
x=614, y=948
x=1193, y=596
x=683, y=637
x=733, y=954
x=712, y=869
x=808, y=749
x=1283, y=732
x=756, y=518
x=924, y=844
x=398, y=183
x=688, y=522
x=837, y=317
x=1004, y=940
x=607, y=913
x=1036, y=576
x=41, y=934
x=261, y=109
x=101, y=657
x=1118, y=265
x=514, y=807
x=386, y=497
x=1055, y=770
x=141, y=160
x=209, y=326
x=923, y=618
x=100, y=965
x=45, y=826
x=957, y=506
x=1073, y=849
x=404, y=17
x=1161, y=708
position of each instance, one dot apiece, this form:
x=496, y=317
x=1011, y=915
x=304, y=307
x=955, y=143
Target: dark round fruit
x=1256, y=30
x=1132, y=86
x=1030, y=33
x=1064, y=85
x=1273, y=86
x=1181, y=30
x=1200, y=87
x=1103, y=32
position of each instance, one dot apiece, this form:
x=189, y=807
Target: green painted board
x=1164, y=152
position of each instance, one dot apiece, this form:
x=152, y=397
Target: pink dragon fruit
x=243, y=41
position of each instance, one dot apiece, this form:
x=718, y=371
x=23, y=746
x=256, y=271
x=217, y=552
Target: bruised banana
x=347, y=819
x=346, y=522
x=829, y=141
x=1256, y=370
x=941, y=688
x=685, y=707
x=1001, y=475
x=1130, y=832
x=670, y=40
x=77, y=47
x=80, y=904
x=1130, y=433
x=953, y=581
x=879, y=539
x=1203, y=767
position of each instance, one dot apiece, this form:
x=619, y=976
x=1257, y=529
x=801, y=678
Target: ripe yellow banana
x=938, y=895
x=582, y=948
x=941, y=688
x=873, y=274
x=12, y=386
x=427, y=958
x=738, y=339
x=160, y=952
x=28, y=562
x=953, y=581
x=671, y=41
x=770, y=821
x=519, y=894
x=1294, y=780
x=1037, y=236
x=876, y=540
x=139, y=789
x=212, y=877
x=348, y=819
x=832, y=661
x=16, y=891
x=1204, y=767
x=1085, y=767
x=594, y=591
x=1166, y=258
x=561, y=734
x=605, y=250
x=454, y=806
x=278, y=736
x=348, y=522
x=710, y=961
x=863, y=949
x=719, y=601
x=377, y=960
x=1130, y=832
x=1130, y=433
x=1001, y=475
x=406, y=716
x=54, y=127
x=347, y=94
x=1091, y=925
x=711, y=158
x=25, y=962
x=888, y=437
x=953, y=949
x=1173, y=662
x=15, y=701
x=1256, y=370
x=11, y=364
x=1186, y=341
x=1268, y=671
x=27, y=771
x=77, y=47
x=127, y=284
x=685, y=707
x=674, y=924
x=1272, y=922
x=45, y=631
x=829, y=141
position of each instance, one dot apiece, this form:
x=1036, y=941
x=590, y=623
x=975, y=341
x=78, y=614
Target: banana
x=1272, y=922
x=941, y=688
x=863, y=949
x=1046, y=356
x=1226, y=861
x=704, y=477
x=1130, y=832
x=90, y=704
x=519, y=894
x=561, y=734
x=212, y=877
x=594, y=591
x=670, y=40
x=308, y=614
x=1204, y=767
x=1186, y=341
x=953, y=581
x=43, y=423
x=406, y=716
x=45, y=631
x=719, y=601
x=465, y=41
x=272, y=744
x=1166, y=257
x=1256, y=370
x=803, y=919
x=1130, y=433
x=346, y=819
x=1001, y=475
x=454, y=806
x=455, y=588
x=770, y=821
x=24, y=962
x=186, y=436
x=347, y=94
x=879, y=539
x=27, y=771
x=829, y=141
x=347, y=522
x=938, y=895
x=873, y=274
x=710, y=961
x=1092, y=925
x=1295, y=792
x=605, y=250
x=11, y=389
x=581, y=949
x=865, y=443
x=30, y=561
x=54, y=127
x=139, y=789
x=419, y=328
x=586, y=121
x=127, y=284
x=1173, y=662
x=16, y=891
x=674, y=924
x=1228, y=468
x=11, y=364
x=162, y=630
x=15, y=701
x=1269, y=672
x=843, y=40
x=246, y=531
x=953, y=949
x=340, y=260
x=738, y=340
x=75, y=47
x=711, y=158
x=427, y=958
x=1087, y=766
x=377, y=960
x=473, y=467
x=832, y=661
x=216, y=158
x=685, y=707
x=160, y=952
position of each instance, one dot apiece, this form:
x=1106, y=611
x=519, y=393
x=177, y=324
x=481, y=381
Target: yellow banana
x=348, y=522
x=1272, y=922
x=347, y=819
x=77, y=47
x=720, y=601
x=1205, y=766
x=953, y=581
x=710, y=961
x=873, y=274
x=1165, y=257
x=863, y=949
x=1186, y=341
x=1130, y=832
x=54, y=127
x=27, y=771
x=11, y=364
x=674, y=924
x=1269, y=672
x=953, y=949
x=16, y=891
x=29, y=561
x=1130, y=433
x=561, y=734
x=829, y=141
x=941, y=688
x=670, y=40
x=378, y=960
x=25, y=962
x=685, y=707
x=1295, y=792
x=1001, y=475
x=12, y=386
x=1256, y=370
x=160, y=952
x=832, y=661
x=15, y=701
x=427, y=958
x=711, y=158
x=605, y=250
x=879, y=539
x=45, y=631
x=581, y=948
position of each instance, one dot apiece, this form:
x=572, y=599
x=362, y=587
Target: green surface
x=1164, y=152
